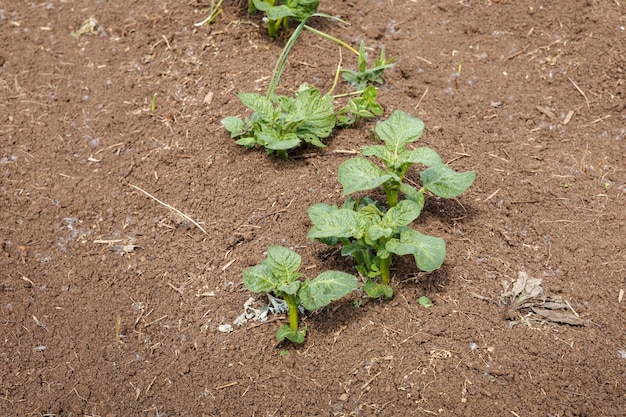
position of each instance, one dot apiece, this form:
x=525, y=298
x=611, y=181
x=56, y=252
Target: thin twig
x=180, y=213
x=579, y=90
x=421, y=98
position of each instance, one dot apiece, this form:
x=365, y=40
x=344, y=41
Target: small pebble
x=225, y=328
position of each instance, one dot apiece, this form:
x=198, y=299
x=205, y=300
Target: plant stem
x=385, y=275
x=336, y=79
x=350, y=93
x=282, y=59
x=332, y=38
x=392, y=195
x=290, y=299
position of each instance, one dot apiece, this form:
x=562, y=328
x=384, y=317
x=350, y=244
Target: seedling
x=371, y=236
x=278, y=12
x=278, y=274
x=213, y=13
x=364, y=76
x=281, y=123
x=369, y=232
x=360, y=174
x=425, y=302
x=363, y=106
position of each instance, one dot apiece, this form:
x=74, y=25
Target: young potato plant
x=364, y=76
x=278, y=12
x=363, y=80
x=369, y=232
x=278, y=274
x=361, y=107
x=371, y=235
x=281, y=123
x=360, y=174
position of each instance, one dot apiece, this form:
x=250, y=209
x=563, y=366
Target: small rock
x=225, y=328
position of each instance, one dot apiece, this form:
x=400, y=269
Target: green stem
x=385, y=275
x=290, y=299
x=282, y=60
x=350, y=93
x=332, y=38
x=392, y=195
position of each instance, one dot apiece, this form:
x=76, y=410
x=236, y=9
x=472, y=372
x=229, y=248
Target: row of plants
x=368, y=231
x=281, y=123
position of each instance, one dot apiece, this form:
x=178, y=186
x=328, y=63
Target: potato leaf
x=305, y=9
x=376, y=290
x=234, y=125
x=286, y=142
x=327, y=287
x=259, y=279
x=318, y=212
x=258, y=104
x=445, y=182
x=425, y=156
x=413, y=195
x=376, y=232
x=277, y=12
x=379, y=151
x=290, y=288
x=399, y=130
x=402, y=214
x=316, y=113
x=339, y=223
x=429, y=252
x=358, y=174
x=283, y=263
x=296, y=336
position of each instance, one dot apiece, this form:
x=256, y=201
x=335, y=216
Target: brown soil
x=531, y=94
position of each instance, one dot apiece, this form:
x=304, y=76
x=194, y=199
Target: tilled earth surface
x=110, y=302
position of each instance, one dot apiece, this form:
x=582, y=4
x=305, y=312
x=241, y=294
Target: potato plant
x=278, y=12
x=280, y=123
x=366, y=229
x=278, y=274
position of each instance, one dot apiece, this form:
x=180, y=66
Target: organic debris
x=526, y=302
x=90, y=26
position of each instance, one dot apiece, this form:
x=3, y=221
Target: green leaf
x=258, y=104
x=316, y=112
x=358, y=174
x=296, y=336
x=446, y=182
x=413, y=195
x=328, y=286
x=277, y=12
x=259, y=279
x=398, y=130
x=248, y=142
x=262, y=5
x=402, y=214
x=319, y=211
x=288, y=141
x=376, y=290
x=305, y=9
x=290, y=287
x=376, y=232
x=429, y=252
x=425, y=156
x=380, y=152
x=339, y=223
x=425, y=301
x=284, y=263
x=234, y=125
